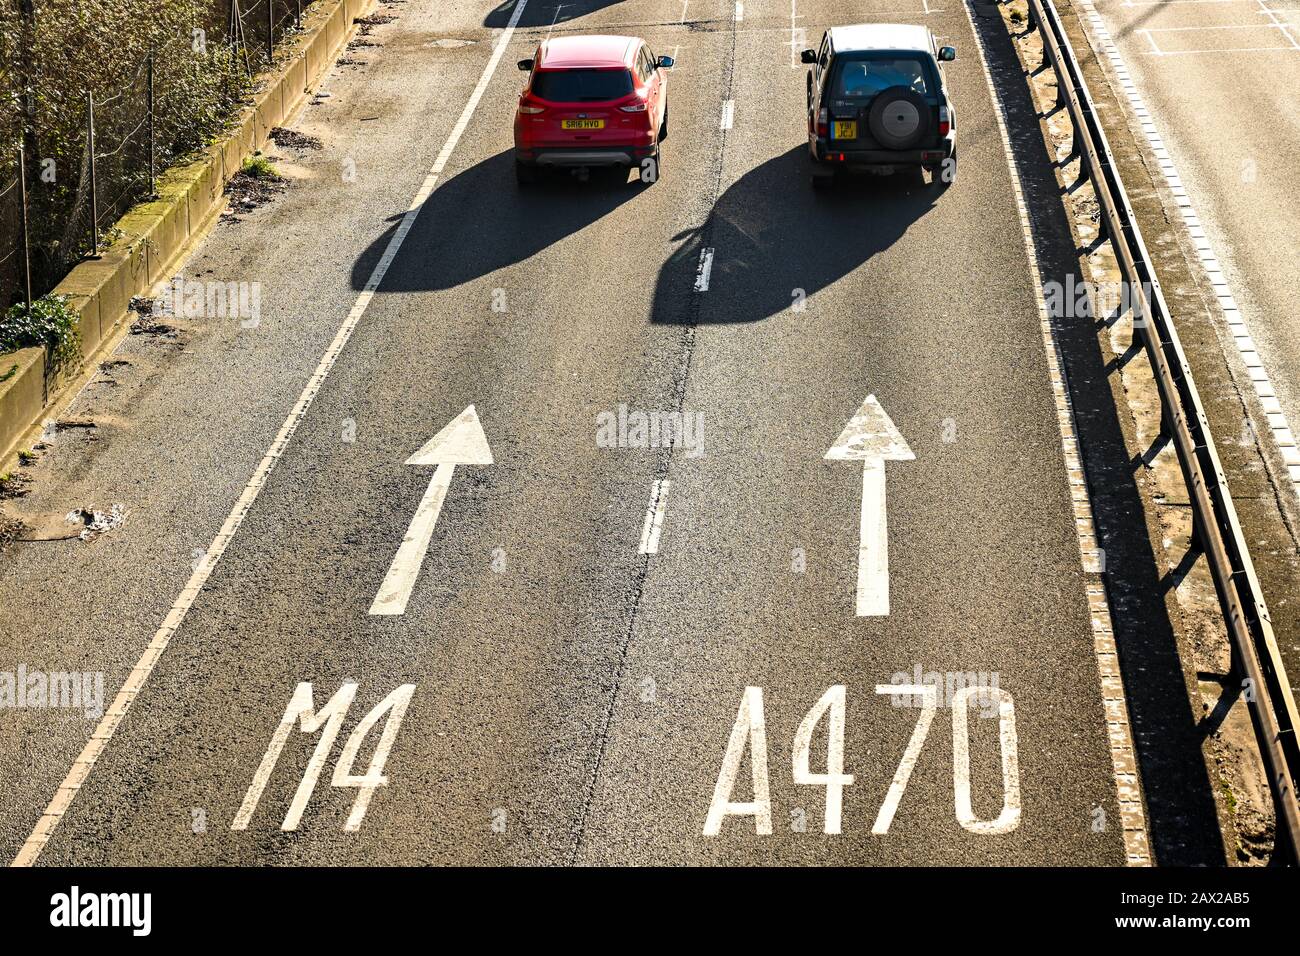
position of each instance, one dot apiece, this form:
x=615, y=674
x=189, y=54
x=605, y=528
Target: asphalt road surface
x=1215, y=79
x=576, y=674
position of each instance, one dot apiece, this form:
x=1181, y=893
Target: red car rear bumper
x=584, y=155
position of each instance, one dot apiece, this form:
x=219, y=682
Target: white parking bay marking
x=704, y=271
x=35, y=843
x=461, y=442
x=654, y=517
x=871, y=438
x=740, y=12
x=1281, y=25
x=728, y=113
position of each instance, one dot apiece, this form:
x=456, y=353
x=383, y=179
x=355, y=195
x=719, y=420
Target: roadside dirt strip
x=154, y=237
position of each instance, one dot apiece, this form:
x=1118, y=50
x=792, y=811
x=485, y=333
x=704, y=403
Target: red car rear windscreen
x=582, y=86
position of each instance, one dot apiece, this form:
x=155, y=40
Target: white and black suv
x=877, y=101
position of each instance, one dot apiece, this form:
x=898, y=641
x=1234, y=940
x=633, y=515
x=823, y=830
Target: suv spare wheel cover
x=899, y=117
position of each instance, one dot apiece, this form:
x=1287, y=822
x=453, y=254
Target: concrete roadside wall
x=155, y=235
x=22, y=389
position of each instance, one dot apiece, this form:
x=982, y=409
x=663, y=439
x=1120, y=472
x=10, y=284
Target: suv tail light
x=823, y=122
x=945, y=124
x=638, y=107
x=530, y=107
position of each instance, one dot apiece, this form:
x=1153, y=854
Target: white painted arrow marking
x=461, y=442
x=871, y=438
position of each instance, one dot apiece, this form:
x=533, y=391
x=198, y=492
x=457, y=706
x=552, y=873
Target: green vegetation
x=54, y=52
x=14, y=484
x=260, y=167
x=48, y=323
x=1229, y=797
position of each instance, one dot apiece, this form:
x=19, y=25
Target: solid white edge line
x=1276, y=419
x=1115, y=707
x=81, y=767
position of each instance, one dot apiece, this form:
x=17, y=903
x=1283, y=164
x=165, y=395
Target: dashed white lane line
x=1115, y=707
x=654, y=517
x=728, y=114
x=1277, y=421
x=797, y=35
x=704, y=270
x=63, y=797
x=555, y=19
x=740, y=12
x=798, y=43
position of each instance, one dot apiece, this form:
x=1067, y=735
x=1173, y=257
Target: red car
x=592, y=101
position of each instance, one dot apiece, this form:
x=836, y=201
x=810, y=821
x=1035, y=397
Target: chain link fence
x=102, y=96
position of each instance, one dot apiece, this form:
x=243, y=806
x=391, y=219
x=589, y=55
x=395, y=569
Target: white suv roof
x=880, y=36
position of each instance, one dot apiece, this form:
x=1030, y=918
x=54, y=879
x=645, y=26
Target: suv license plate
x=844, y=129
x=583, y=124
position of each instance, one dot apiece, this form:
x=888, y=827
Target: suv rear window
x=581, y=86
x=863, y=78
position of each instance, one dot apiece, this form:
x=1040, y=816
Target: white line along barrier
x=1128, y=790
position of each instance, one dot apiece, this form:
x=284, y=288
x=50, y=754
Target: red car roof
x=567, y=53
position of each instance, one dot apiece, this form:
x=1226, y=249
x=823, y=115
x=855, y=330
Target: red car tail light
x=634, y=108
x=530, y=107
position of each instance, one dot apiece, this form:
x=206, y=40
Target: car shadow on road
x=767, y=251
x=524, y=221
x=544, y=13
